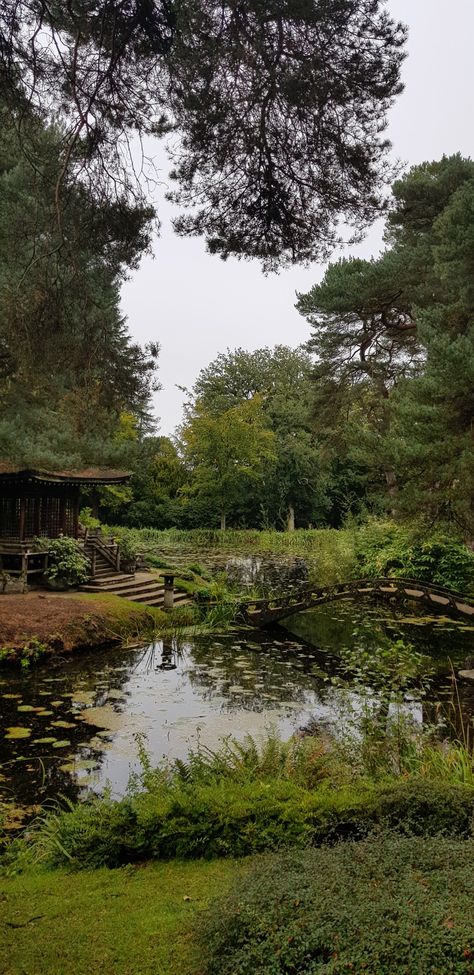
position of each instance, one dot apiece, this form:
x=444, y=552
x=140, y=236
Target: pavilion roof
x=89, y=475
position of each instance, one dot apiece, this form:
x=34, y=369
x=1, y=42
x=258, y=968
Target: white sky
x=196, y=305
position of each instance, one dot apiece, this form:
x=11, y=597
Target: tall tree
x=293, y=488
x=226, y=452
x=279, y=107
x=365, y=341
x=437, y=410
x=68, y=368
x=393, y=345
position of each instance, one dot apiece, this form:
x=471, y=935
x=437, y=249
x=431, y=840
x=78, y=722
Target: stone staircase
x=140, y=587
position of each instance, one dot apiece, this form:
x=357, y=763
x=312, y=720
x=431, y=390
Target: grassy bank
x=287, y=858
x=37, y=626
x=383, y=905
x=133, y=921
x=248, y=799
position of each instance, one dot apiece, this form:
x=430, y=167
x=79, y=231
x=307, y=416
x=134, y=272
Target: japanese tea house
x=36, y=503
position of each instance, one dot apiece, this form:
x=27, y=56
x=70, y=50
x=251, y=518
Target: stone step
x=108, y=584
x=139, y=588
x=180, y=598
x=107, y=570
x=140, y=596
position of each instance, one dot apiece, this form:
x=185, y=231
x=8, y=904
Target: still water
x=72, y=728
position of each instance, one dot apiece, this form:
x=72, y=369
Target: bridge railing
x=304, y=597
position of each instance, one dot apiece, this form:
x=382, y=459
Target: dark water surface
x=67, y=729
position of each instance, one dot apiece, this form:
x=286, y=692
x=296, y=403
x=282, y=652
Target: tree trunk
x=392, y=485
x=222, y=521
x=290, y=521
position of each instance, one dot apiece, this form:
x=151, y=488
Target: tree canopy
x=393, y=340
x=277, y=109
x=68, y=367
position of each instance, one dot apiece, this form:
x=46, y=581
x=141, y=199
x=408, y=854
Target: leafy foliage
x=388, y=549
x=280, y=108
x=227, y=452
x=67, y=564
x=247, y=799
x=393, y=343
x=68, y=368
x=373, y=907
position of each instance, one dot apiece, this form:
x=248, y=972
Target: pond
x=67, y=730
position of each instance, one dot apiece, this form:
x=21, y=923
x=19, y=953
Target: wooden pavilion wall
x=29, y=510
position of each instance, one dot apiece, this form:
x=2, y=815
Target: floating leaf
x=82, y=765
x=44, y=714
x=18, y=732
x=27, y=707
x=12, y=697
x=56, y=704
x=62, y=744
x=43, y=741
x=63, y=724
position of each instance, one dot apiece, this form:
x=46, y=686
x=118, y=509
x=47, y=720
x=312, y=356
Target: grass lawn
x=132, y=921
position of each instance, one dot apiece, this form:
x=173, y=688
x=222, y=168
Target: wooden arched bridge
x=263, y=612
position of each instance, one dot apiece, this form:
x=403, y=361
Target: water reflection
x=74, y=729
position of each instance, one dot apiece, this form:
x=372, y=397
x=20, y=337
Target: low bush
x=388, y=549
x=67, y=565
x=228, y=818
x=374, y=907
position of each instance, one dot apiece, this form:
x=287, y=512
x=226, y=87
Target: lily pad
x=43, y=741
x=12, y=697
x=27, y=707
x=44, y=714
x=62, y=744
x=63, y=724
x=18, y=732
x=82, y=765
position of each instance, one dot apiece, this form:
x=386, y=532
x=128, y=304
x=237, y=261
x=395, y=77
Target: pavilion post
x=22, y=525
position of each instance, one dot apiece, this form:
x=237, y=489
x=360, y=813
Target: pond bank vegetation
x=376, y=548
x=37, y=627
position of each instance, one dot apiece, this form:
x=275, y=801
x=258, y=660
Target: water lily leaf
x=82, y=765
x=43, y=714
x=56, y=704
x=27, y=707
x=62, y=744
x=63, y=724
x=12, y=697
x=43, y=741
x=18, y=732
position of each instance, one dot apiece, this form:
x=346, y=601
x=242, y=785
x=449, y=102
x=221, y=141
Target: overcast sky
x=196, y=305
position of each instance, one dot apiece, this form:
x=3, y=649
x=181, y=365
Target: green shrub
x=32, y=652
x=87, y=520
x=388, y=549
x=228, y=818
x=379, y=907
x=67, y=564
